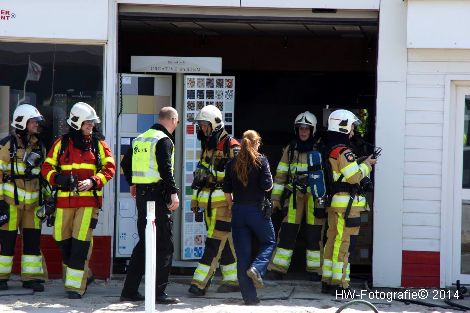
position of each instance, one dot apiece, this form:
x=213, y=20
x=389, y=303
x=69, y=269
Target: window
x=52, y=77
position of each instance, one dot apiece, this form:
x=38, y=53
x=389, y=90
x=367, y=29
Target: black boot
x=314, y=276
x=325, y=288
x=195, y=291
x=228, y=288
x=3, y=285
x=73, y=295
x=163, y=298
x=33, y=284
x=132, y=298
x=338, y=291
x=273, y=275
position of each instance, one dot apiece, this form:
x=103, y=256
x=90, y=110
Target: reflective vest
x=144, y=160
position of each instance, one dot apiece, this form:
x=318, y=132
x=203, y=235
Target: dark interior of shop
x=67, y=74
x=282, y=68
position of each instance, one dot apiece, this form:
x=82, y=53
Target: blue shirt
x=259, y=180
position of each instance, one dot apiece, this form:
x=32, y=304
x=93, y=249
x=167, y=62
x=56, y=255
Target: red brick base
x=100, y=262
x=420, y=269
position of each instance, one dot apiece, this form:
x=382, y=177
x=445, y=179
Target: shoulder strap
x=64, y=143
x=13, y=148
x=96, y=151
x=5, y=140
x=290, y=151
x=228, y=139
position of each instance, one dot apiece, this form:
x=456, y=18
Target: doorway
x=461, y=216
x=284, y=63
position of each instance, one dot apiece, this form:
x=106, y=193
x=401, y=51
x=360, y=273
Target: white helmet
x=341, y=121
x=306, y=118
x=80, y=113
x=23, y=113
x=211, y=114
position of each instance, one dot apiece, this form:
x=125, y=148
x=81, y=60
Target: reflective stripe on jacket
x=82, y=165
x=28, y=190
x=144, y=160
x=344, y=164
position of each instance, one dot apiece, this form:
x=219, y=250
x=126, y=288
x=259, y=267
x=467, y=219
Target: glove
x=62, y=180
x=276, y=205
x=4, y=212
x=198, y=214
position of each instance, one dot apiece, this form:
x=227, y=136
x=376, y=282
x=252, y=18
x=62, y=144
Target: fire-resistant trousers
x=33, y=266
x=289, y=230
x=340, y=243
x=218, y=248
x=73, y=233
x=164, y=224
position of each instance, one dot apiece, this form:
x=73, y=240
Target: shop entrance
x=284, y=63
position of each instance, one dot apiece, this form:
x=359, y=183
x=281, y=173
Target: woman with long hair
x=247, y=180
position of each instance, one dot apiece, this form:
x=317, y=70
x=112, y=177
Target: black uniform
x=164, y=221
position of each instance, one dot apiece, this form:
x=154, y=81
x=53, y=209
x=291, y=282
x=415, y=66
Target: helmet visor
x=357, y=122
x=95, y=120
x=38, y=119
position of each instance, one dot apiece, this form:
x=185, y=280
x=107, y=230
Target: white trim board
x=447, y=189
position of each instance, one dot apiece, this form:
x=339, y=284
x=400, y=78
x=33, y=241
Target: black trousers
x=164, y=223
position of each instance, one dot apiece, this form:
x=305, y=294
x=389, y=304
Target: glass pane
x=465, y=239
x=52, y=78
x=466, y=146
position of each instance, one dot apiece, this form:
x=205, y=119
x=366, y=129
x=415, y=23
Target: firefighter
x=347, y=202
x=79, y=164
x=291, y=191
x=217, y=149
x=21, y=155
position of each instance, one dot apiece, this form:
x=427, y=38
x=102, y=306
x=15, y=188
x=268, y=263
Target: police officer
x=149, y=168
x=21, y=155
x=291, y=190
x=78, y=164
x=347, y=200
x=217, y=149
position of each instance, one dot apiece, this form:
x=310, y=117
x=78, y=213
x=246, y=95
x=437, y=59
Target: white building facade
x=421, y=200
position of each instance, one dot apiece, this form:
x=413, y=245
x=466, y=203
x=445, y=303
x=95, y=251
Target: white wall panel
x=421, y=219
x=318, y=4
x=421, y=244
x=423, y=130
x=420, y=142
x=421, y=206
x=423, y=155
x=424, y=30
x=424, y=104
x=425, y=92
x=55, y=19
x=421, y=232
x=426, y=117
x=423, y=168
x=413, y=193
x=423, y=181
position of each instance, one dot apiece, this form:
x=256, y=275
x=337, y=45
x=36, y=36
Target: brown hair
x=248, y=156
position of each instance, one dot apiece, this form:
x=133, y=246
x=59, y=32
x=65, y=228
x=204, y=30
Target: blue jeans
x=247, y=220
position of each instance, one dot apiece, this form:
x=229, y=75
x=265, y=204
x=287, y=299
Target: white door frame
x=455, y=85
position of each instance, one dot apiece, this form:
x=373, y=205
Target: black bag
x=267, y=206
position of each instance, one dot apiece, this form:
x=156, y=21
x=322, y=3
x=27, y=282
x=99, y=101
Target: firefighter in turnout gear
x=347, y=174
x=78, y=164
x=217, y=149
x=292, y=192
x=21, y=155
